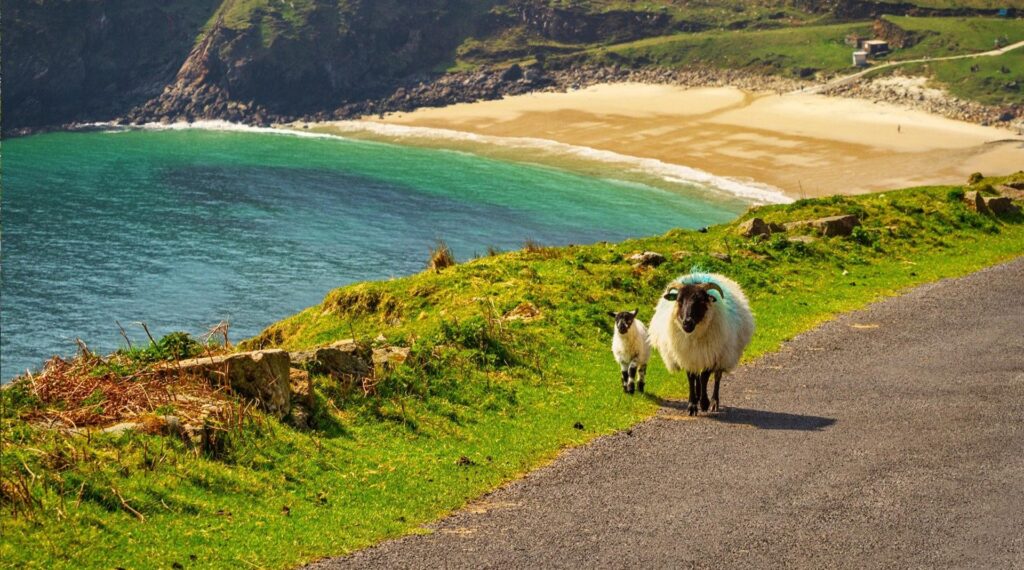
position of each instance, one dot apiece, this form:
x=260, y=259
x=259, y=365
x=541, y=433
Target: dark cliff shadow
x=761, y=419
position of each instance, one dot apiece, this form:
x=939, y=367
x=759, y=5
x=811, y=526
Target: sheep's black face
x=693, y=302
x=623, y=320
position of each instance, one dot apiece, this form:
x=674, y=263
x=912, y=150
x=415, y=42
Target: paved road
x=890, y=438
x=855, y=76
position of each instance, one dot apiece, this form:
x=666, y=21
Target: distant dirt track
x=892, y=437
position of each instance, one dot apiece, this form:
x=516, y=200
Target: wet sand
x=806, y=145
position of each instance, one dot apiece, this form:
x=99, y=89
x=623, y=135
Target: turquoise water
x=183, y=229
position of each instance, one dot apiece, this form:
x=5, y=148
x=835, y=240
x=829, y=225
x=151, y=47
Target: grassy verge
x=484, y=397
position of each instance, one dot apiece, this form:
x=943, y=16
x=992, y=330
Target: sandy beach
x=803, y=144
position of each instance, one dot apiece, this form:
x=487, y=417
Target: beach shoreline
x=804, y=145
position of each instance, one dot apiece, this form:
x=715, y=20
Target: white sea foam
x=746, y=189
x=749, y=190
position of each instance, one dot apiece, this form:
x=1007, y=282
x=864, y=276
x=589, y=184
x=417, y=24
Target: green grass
x=990, y=80
x=940, y=37
x=784, y=51
x=482, y=399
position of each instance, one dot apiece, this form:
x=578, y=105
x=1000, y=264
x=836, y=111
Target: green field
x=482, y=400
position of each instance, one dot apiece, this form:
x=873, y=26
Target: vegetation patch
x=505, y=360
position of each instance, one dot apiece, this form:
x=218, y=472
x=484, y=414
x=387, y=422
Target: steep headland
x=259, y=61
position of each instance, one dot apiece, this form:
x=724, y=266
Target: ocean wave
x=750, y=190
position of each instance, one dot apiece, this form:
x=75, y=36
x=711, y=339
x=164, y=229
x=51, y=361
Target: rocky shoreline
x=183, y=102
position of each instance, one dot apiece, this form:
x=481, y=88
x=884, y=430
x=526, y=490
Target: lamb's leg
x=704, y=402
x=714, y=396
x=631, y=386
x=625, y=377
x=643, y=376
x=693, y=378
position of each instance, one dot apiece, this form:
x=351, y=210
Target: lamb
x=631, y=348
x=701, y=325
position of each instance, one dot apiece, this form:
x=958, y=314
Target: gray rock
x=345, y=359
x=976, y=202
x=753, y=227
x=261, y=376
x=831, y=226
x=647, y=259
x=1000, y=205
x=389, y=356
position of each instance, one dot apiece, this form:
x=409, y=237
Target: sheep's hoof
x=704, y=405
x=640, y=386
x=714, y=404
x=692, y=408
x=630, y=388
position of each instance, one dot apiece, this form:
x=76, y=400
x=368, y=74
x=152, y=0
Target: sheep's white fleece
x=718, y=341
x=632, y=346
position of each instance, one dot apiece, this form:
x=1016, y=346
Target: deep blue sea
x=184, y=228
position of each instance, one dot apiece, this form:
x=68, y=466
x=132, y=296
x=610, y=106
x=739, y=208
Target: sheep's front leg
x=714, y=395
x=694, y=380
x=704, y=402
x=631, y=386
x=643, y=376
x=625, y=377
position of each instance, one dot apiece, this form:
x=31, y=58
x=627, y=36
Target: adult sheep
x=701, y=325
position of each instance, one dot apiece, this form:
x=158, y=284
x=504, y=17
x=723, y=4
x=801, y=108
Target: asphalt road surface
x=892, y=437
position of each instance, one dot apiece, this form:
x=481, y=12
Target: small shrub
x=863, y=236
x=975, y=178
x=441, y=257
x=955, y=195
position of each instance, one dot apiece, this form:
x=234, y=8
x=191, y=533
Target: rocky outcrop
x=344, y=360
x=646, y=259
x=830, y=226
x=575, y=24
x=260, y=376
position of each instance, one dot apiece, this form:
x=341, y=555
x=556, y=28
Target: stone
x=525, y=311
x=389, y=356
x=647, y=259
x=831, y=226
x=301, y=388
x=753, y=227
x=261, y=376
x=802, y=239
x=976, y=202
x=721, y=256
x=343, y=359
x=999, y=205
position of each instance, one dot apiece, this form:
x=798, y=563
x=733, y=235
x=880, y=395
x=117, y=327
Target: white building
x=860, y=58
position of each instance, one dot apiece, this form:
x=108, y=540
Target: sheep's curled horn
x=709, y=286
x=673, y=293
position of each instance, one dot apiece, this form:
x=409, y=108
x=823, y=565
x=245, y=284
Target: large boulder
x=646, y=259
x=345, y=359
x=831, y=226
x=261, y=376
x=999, y=205
x=754, y=227
x=976, y=202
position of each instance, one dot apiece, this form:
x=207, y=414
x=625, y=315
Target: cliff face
x=264, y=63
x=82, y=60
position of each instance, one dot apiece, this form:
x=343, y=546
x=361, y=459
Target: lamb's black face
x=623, y=320
x=693, y=302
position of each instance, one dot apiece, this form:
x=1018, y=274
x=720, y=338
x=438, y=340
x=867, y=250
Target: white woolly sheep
x=701, y=325
x=631, y=348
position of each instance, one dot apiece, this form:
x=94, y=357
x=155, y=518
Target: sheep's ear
x=613, y=314
x=671, y=295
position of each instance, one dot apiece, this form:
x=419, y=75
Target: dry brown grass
x=86, y=392
x=441, y=257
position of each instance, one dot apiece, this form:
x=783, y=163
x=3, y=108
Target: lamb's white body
x=632, y=348
x=718, y=341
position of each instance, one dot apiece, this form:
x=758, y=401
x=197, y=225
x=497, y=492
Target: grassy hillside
x=484, y=397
